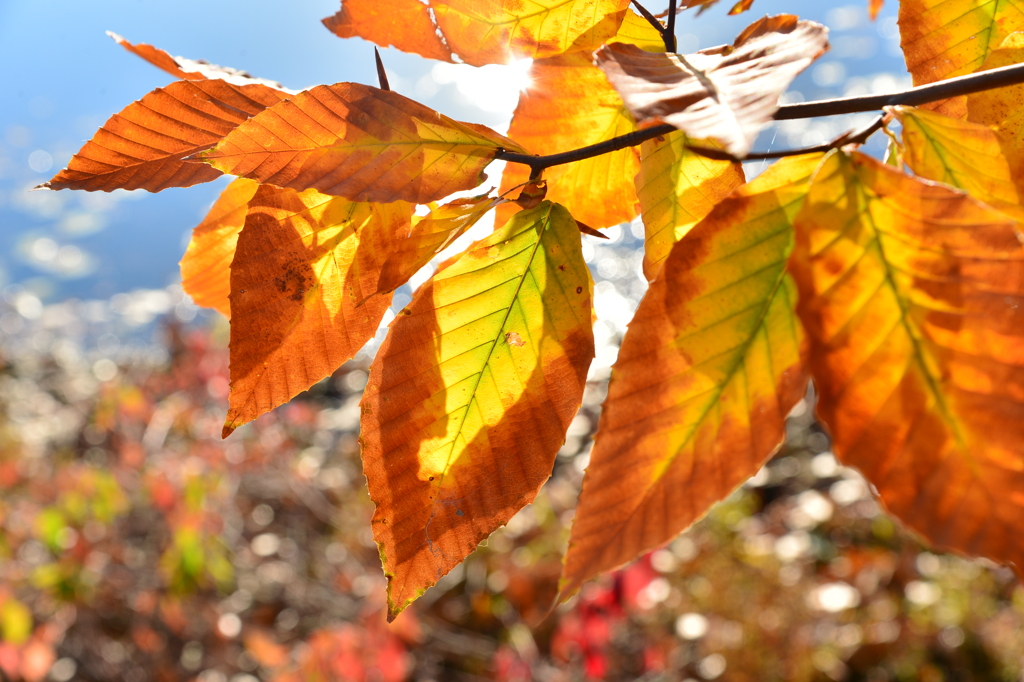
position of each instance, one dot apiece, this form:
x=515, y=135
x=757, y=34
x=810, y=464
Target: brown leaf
x=190, y=69
x=145, y=145
x=206, y=265
x=358, y=142
x=912, y=294
x=303, y=264
x=532, y=194
x=726, y=93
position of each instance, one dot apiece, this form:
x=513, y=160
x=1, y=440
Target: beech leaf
x=1001, y=108
x=709, y=367
x=206, y=266
x=726, y=93
x=479, y=32
x=471, y=393
x=361, y=143
x=303, y=264
x=912, y=295
x=145, y=145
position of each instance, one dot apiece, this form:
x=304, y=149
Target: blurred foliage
x=137, y=545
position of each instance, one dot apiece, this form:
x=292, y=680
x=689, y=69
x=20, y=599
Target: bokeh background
x=136, y=545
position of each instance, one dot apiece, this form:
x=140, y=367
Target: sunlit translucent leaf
x=303, y=264
x=569, y=105
x=478, y=31
x=1001, y=108
x=471, y=394
x=709, y=367
x=361, y=143
x=677, y=188
x=726, y=93
x=144, y=145
x=946, y=38
x=912, y=295
x=190, y=69
x=958, y=153
x=429, y=235
x=205, y=268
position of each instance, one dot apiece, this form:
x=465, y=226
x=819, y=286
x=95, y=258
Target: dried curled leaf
x=145, y=145
x=725, y=93
x=190, y=69
x=361, y=143
x=946, y=38
x=912, y=295
x=206, y=266
x=471, y=393
x=479, y=31
x=709, y=367
x=304, y=263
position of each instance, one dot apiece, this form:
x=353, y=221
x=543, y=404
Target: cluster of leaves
x=135, y=544
x=898, y=293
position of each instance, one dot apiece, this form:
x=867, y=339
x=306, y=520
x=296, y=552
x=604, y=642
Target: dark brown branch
x=933, y=92
x=667, y=37
x=382, y=76
x=670, y=28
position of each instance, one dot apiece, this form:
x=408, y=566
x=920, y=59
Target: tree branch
x=670, y=28
x=933, y=92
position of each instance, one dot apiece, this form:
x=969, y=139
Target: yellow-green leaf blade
x=360, y=143
x=1000, y=108
x=709, y=367
x=471, y=393
x=677, y=188
x=206, y=265
x=303, y=263
x=912, y=295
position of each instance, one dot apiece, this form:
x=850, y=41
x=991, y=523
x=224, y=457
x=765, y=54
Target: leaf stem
x=922, y=94
x=653, y=21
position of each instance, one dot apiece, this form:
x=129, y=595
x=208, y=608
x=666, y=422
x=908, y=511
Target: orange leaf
x=913, y=297
x=725, y=93
x=429, y=236
x=708, y=369
x=267, y=651
x=1001, y=110
x=206, y=265
x=471, y=394
x=946, y=38
x=144, y=146
x=303, y=264
x=189, y=69
x=874, y=7
x=361, y=143
x=478, y=31
x=571, y=105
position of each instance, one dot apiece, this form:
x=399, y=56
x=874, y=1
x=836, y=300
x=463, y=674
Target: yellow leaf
x=206, y=265
x=912, y=295
x=709, y=367
x=571, y=105
x=15, y=621
x=1001, y=108
x=677, y=188
x=303, y=263
x=946, y=38
x=429, y=235
x=471, y=394
x=479, y=31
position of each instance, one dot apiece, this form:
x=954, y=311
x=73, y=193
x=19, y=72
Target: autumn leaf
x=360, y=143
x=205, y=267
x=429, y=235
x=478, y=32
x=569, y=105
x=1001, y=108
x=911, y=295
x=145, y=145
x=677, y=188
x=303, y=264
x=708, y=369
x=190, y=69
x=942, y=39
x=471, y=394
x=958, y=153
x=726, y=93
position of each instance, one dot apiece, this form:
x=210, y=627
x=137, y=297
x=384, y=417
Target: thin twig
x=670, y=28
x=933, y=92
x=382, y=76
x=850, y=137
x=652, y=20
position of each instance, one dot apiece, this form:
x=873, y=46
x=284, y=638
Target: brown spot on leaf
x=513, y=339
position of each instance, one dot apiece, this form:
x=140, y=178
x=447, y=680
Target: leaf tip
x=229, y=428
